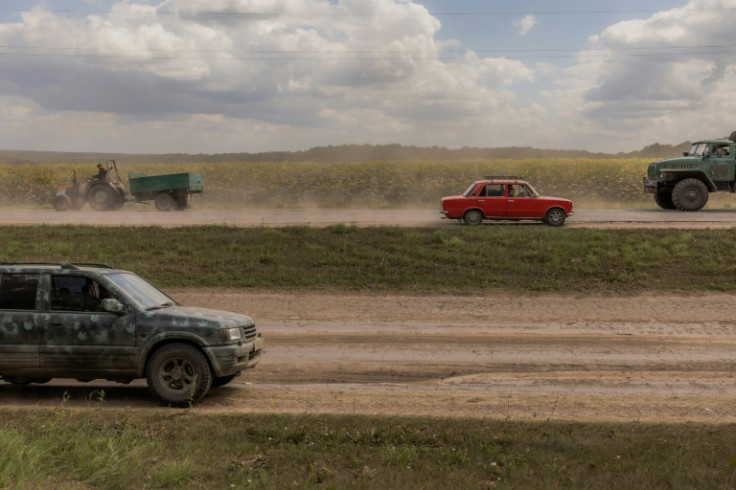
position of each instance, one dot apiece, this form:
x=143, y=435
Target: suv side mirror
x=111, y=305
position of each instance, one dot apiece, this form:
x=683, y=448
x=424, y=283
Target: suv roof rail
x=509, y=177
x=63, y=265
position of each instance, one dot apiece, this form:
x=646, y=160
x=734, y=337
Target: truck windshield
x=698, y=149
x=141, y=292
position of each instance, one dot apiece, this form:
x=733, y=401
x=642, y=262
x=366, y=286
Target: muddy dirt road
x=537, y=357
x=614, y=218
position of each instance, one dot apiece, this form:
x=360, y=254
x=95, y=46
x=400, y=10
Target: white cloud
x=164, y=76
x=662, y=79
x=525, y=24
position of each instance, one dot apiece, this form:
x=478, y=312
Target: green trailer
x=169, y=191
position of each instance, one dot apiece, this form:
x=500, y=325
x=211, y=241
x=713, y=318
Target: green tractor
x=102, y=193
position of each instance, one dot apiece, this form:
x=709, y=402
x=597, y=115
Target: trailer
x=168, y=191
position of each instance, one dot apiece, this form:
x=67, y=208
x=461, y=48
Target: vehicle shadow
x=72, y=393
x=76, y=394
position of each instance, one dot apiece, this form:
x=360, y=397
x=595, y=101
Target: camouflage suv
x=90, y=321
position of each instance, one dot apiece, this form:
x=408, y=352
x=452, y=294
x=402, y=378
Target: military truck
x=684, y=183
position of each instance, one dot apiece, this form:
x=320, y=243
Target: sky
x=228, y=76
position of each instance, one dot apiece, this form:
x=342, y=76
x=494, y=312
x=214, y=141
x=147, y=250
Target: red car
x=505, y=198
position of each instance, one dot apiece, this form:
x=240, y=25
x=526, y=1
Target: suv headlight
x=229, y=334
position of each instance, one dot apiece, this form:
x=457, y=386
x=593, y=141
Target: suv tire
x=178, y=374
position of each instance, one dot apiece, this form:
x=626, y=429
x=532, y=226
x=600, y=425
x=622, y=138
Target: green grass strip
x=125, y=448
x=444, y=259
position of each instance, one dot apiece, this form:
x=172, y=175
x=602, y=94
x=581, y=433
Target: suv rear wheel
x=179, y=374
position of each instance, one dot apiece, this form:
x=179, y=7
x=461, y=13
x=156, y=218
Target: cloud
x=525, y=24
x=663, y=78
x=290, y=73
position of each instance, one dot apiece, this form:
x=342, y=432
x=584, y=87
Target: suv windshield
x=140, y=291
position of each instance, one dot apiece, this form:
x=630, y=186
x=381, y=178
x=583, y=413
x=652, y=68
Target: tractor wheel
x=102, y=197
x=690, y=195
x=663, y=199
x=62, y=202
x=164, y=202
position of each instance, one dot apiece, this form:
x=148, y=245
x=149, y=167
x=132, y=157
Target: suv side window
x=18, y=291
x=76, y=293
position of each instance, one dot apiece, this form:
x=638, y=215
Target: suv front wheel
x=179, y=374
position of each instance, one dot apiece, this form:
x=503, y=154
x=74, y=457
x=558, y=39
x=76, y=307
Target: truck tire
x=663, y=198
x=164, y=201
x=101, y=197
x=178, y=374
x=690, y=195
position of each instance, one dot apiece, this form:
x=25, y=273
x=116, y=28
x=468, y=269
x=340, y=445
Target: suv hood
x=200, y=317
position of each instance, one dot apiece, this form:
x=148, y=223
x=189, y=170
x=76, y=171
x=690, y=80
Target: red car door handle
x=481, y=200
x=511, y=200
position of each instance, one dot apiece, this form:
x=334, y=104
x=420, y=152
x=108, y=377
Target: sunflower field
x=380, y=184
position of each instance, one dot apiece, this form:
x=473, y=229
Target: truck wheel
x=101, y=197
x=663, y=199
x=473, y=217
x=178, y=374
x=164, y=202
x=555, y=217
x=62, y=202
x=690, y=195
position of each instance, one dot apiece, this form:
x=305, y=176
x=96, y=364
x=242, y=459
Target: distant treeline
x=340, y=153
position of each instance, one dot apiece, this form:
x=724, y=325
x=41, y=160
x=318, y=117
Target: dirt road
x=620, y=218
x=536, y=357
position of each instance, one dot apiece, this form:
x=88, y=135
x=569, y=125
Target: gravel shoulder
x=647, y=358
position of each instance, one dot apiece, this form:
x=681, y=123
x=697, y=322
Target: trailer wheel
x=164, y=202
x=181, y=202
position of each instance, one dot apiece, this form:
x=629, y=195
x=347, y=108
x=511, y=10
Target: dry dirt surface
x=656, y=358
x=146, y=216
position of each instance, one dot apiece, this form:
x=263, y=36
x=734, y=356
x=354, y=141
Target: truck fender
x=675, y=175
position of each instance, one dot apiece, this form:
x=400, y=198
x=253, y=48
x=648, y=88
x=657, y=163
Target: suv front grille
x=249, y=332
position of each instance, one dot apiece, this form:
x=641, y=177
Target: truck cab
x=684, y=182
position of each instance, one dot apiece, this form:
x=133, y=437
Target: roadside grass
x=125, y=448
x=450, y=259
